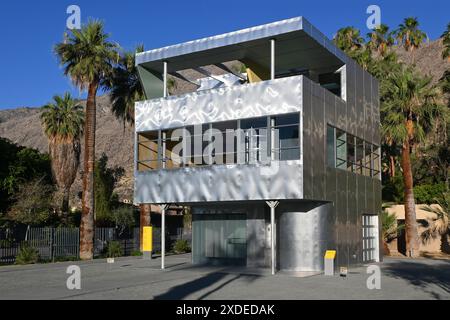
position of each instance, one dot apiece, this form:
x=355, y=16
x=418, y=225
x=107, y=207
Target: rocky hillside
x=22, y=125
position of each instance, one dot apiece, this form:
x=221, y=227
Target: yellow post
x=147, y=240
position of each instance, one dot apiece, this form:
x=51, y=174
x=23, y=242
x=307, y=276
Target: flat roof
x=298, y=42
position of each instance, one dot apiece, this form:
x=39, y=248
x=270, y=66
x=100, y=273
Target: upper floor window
x=347, y=152
x=246, y=141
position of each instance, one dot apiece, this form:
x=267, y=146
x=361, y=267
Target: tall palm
x=410, y=36
x=348, y=39
x=409, y=108
x=126, y=87
x=380, y=39
x=446, y=41
x=88, y=58
x=382, y=68
x=439, y=226
x=63, y=121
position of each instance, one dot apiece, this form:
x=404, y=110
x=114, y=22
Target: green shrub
x=181, y=246
x=114, y=249
x=136, y=253
x=428, y=193
x=27, y=255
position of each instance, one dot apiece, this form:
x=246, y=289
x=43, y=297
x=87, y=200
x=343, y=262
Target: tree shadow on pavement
x=422, y=275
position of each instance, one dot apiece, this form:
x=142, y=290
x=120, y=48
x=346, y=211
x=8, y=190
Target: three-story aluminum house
x=303, y=176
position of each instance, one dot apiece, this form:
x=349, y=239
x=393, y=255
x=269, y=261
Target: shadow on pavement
x=422, y=274
x=183, y=290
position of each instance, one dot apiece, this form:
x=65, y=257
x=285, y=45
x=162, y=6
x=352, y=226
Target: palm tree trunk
x=392, y=166
x=65, y=201
x=88, y=205
x=411, y=230
x=145, y=220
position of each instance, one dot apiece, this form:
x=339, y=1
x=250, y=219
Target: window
x=347, y=152
x=376, y=162
x=255, y=133
x=350, y=153
x=148, y=151
x=228, y=142
x=368, y=160
x=285, y=138
x=360, y=163
x=341, y=149
x=172, y=150
x=224, y=135
x=331, y=149
x=195, y=145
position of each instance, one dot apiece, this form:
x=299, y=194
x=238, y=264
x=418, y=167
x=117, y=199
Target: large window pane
x=376, y=172
x=360, y=160
x=350, y=153
x=331, y=156
x=147, y=151
x=255, y=132
x=196, y=144
x=341, y=149
x=285, y=137
x=171, y=148
x=226, y=149
x=368, y=166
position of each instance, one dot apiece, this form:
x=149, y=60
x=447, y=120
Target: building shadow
x=422, y=275
x=181, y=291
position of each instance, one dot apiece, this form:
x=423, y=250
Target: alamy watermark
x=374, y=280
x=374, y=20
x=74, y=280
x=73, y=22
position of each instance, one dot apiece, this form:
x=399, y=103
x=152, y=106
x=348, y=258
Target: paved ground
x=134, y=278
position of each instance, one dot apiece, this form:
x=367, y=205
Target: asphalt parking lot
x=135, y=278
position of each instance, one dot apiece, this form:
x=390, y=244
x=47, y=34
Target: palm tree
x=63, y=122
x=380, y=39
x=439, y=226
x=410, y=36
x=126, y=87
x=390, y=228
x=409, y=108
x=88, y=58
x=348, y=39
x=446, y=41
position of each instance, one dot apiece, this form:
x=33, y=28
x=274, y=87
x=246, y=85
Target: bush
x=114, y=249
x=181, y=246
x=428, y=193
x=27, y=255
x=136, y=254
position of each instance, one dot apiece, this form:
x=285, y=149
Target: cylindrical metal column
x=163, y=235
x=272, y=205
x=165, y=79
x=272, y=59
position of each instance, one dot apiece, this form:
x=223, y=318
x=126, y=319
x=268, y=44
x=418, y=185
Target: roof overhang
x=298, y=44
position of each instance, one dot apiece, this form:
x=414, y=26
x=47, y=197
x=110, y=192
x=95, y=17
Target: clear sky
x=30, y=74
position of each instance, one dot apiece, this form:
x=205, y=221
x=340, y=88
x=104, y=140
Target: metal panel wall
x=352, y=194
x=304, y=236
x=279, y=180
x=307, y=139
x=229, y=103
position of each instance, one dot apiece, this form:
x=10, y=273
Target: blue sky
x=30, y=74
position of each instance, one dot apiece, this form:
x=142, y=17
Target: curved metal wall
x=304, y=237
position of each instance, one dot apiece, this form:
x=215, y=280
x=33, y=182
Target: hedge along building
x=303, y=176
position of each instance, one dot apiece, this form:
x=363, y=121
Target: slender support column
x=273, y=205
x=164, y=208
x=165, y=79
x=272, y=59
